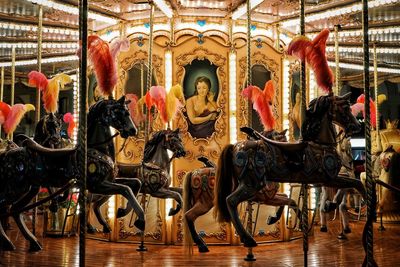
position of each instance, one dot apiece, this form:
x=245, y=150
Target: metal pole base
x=141, y=248
x=342, y=236
x=381, y=228
x=250, y=256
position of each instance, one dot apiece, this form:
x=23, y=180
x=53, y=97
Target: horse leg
x=343, y=212
x=5, y=242
x=20, y=204
x=241, y=193
x=173, y=211
x=191, y=215
x=110, y=188
x=322, y=213
x=96, y=208
x=91, y=199
x=166, y=193
x=135, y=185
x=281, y=200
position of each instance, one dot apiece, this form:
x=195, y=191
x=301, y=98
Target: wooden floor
x=324, y=250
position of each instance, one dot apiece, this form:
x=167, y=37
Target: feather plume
x=136, y=114
x=4, y=112
x=175, y=100
x=357, y=108
x=103, y=64
x=148, y=100
x=69, y=119
x=159, y=95
x=262, y=101
x=314, y=54
x=372, y=107
x=119, y=45
x=38, y=80
x=15, y=116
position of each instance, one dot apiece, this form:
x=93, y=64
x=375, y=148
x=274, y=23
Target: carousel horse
x=198, y=194
x=154, y=171
x=245, y=167
x=344, y=150
x=25, y=169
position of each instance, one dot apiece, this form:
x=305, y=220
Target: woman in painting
x=201, y=109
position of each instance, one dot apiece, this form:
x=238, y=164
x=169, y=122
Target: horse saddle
x=33, y=146
x=151, y=166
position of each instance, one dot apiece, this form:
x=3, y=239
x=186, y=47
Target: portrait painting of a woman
x=201, y=109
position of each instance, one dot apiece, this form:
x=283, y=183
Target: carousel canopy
x=19, y=26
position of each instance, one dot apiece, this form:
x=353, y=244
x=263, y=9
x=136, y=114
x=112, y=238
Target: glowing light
x=232, y=98
x=240, y=11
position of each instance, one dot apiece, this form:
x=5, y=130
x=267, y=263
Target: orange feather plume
x=103, y=63
x=69, y=119
x=262, y=101
x=5, y=109
x=314, y=54
x=158, y=95
x=50, y=88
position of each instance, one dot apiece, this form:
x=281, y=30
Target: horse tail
x=187, y=195
x=223, y=185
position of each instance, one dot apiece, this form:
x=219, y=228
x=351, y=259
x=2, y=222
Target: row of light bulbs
x=348, y=9
x=64, y=45
x=380, y=50
x=34, y=28
x=44, y=61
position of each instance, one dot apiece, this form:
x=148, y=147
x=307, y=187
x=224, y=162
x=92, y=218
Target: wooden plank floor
x=324, y=250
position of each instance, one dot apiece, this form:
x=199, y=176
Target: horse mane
x=151, y=146
x=312, y=123
x=95, y=110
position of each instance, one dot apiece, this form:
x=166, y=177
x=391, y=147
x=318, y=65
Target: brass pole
x=12, y=82
x=39, y=61
x=82, y=130
x=378, y=136
x=1, y=89
x=337, y=68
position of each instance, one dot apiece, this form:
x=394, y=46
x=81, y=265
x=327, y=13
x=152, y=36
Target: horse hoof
x=324, y=229
x=91, y=229
x=271, y=220
x=347, y=230
x=121, y=213
x=249, y=243
x=106, y=230
x=203, y=249
x=140, y=224
x=7, y=246
x=35, y=246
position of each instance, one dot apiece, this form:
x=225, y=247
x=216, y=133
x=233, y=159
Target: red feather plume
x=372, y=107
x=262, y=101
x=103, y=63
x=314, y=54
x=69, y=118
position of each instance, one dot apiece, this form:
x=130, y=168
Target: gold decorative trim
x=293, y=67
x=257, y=58
x=208, y=147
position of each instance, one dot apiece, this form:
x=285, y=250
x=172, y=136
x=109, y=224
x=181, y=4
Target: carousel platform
x=324, y=250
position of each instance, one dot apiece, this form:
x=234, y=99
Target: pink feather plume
x=14, y=116
x=314, y=54
x=5, y=110
x=119, y=45
x=158, y=95
x=136, y=115
x=38, y=79
x=69, y=119
x=262, y=101
x=103, y=63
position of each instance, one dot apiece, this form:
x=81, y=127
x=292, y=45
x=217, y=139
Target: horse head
x=117, y=116
x=342, y=115
x=48, y=131
x=173, y=142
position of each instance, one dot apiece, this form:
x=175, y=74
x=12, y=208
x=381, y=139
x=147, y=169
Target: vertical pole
x=370, y=183
x=250, y=255
x=37, y=103
x=378, y=136
x=82, y=131
x=12, y=81
x=304, y=223
x=337, y=68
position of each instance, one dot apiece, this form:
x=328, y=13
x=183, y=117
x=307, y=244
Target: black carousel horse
x=245, y=167
x=25, y=169
x=154, y=171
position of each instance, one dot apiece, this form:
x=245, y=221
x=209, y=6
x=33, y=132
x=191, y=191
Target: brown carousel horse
x=198, y=195
x=154, y=171
x=25, y=169
x=245, y=167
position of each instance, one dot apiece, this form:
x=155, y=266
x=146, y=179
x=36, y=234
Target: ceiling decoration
x=18, y=23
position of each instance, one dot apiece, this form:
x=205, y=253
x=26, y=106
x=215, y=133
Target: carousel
x=193, y=133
